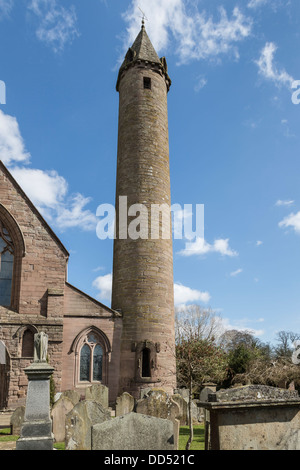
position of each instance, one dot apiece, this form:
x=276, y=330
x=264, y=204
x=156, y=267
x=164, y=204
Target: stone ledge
x=248, y=404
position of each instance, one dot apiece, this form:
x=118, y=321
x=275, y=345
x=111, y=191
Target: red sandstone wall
x=81, y=313
x=44, y=265
x=38, y=292
x=143, y=269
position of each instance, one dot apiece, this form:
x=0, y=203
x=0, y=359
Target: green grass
x=5, y=436
x=59, y=446
x=198, y=441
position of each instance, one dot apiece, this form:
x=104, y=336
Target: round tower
x=143, y=254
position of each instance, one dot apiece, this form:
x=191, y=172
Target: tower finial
x=144, y=17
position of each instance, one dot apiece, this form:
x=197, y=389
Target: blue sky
x=234, y=139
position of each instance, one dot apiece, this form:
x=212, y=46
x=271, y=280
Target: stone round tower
x=143, y=258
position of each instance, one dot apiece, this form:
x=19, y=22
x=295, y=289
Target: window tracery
x=91, y=359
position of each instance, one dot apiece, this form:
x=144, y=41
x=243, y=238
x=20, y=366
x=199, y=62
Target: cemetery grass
x=199, y=436
x=5, y=435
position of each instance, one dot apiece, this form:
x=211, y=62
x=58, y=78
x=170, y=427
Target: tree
x=245, y=354
x=285, y=340
x=198, y=357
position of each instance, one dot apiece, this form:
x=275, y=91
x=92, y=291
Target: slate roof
x=141, y=50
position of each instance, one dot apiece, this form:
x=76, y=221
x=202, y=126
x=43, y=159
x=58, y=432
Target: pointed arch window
x=6, y=266
x=91, y=359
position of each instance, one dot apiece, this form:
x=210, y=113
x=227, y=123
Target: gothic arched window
x=6, y=266
x=91, y=359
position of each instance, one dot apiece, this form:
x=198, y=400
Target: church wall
x=44, y=264
x=38, y=287
x=73, y=327
x=12, y=327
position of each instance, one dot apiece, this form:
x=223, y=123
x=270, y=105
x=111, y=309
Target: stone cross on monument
x=36, y=432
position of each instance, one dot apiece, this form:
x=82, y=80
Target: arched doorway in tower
x=4, y=375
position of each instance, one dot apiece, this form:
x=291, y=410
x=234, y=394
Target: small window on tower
x=147, y=83
x=146, y=367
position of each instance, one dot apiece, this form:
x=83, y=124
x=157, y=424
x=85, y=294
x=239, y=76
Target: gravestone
x=125, y=404
x=2, y=353
x=79, y=422
x=255, y=392
x=183, y=408
x=208, y=389
x=72, y=395
x=36, y=432
x=58, y=414
x=16, y=420
x=98, y=393
x=134, y=431
x=159, y=404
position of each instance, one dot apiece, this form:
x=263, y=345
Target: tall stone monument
x=143, y=265
x=36, y=432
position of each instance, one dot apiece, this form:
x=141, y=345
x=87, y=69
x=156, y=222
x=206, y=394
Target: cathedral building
x=130, y=346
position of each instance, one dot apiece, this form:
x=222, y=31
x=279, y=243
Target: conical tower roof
x=142, y=50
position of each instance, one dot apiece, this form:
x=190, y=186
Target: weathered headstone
x=79, y=422
x=208, y=389
x=98, y=393
x=16, y=420
x=58, y=414
x=183, y=408
x=36, y=432
x=134, y=431
x=125, y=404
x=2, y=353
x=72, y=395
x=159, y=404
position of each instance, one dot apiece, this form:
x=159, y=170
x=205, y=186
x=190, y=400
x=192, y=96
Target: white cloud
x=12, y=148
x=284, y=203
x=44, y=188
x=57, y=24
x=292, y=220
x=5, y=7
x=259, y=243
x=104, y=285
x=256, y=3
x=201, y=82
x=268, y=69
x=201, y=247
x=194, y=34
x=49, y=193
x=184, y=295
x=73, y=214
x=241, y=325
x=236, y=273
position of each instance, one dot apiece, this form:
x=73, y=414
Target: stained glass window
x=6, y=266
x=91, y=359
x=85, y=363
x=97, y=363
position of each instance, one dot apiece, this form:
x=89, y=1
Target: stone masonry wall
x=143, y=268
x=38, y=286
